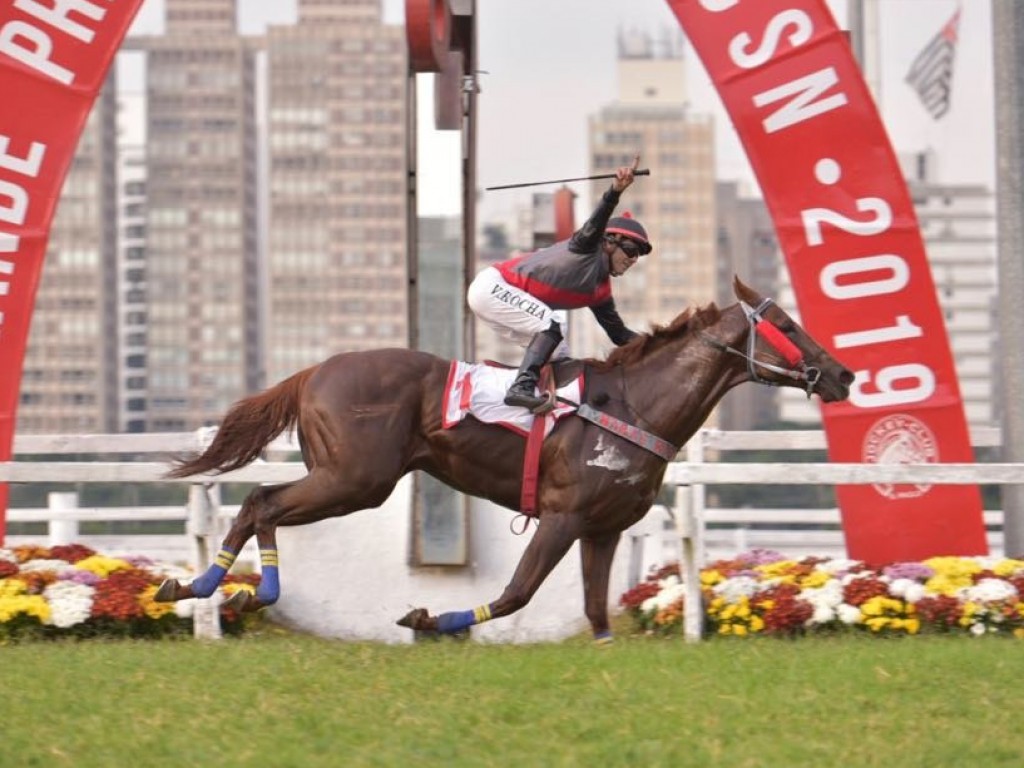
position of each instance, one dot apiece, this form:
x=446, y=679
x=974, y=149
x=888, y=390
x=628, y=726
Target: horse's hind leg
x=554, y=536
x=320, y=495
x=206, y=584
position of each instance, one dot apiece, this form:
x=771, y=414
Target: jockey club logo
x=900, y=439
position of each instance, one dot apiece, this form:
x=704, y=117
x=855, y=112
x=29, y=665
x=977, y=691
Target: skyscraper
x=676, y=203
x=337, y=102
x=204, y=348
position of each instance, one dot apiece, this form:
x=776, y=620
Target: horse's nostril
x=846, y=377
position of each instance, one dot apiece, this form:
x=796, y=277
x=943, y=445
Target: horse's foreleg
x=554, y=536
x=206, y=583
x=596, y=556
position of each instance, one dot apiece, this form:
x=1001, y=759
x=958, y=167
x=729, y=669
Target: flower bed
x=763, y=592
x=72, y=591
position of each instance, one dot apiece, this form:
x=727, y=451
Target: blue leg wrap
x=270, y=585
x=456, y=621
x=603, y=638
x=206, y=584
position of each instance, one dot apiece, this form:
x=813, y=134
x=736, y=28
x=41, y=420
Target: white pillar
x=62, y=530
x=203, y=504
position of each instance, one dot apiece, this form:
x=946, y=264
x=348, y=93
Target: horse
x=364, y=419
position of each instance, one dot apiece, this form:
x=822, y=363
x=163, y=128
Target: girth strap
x=635, y=435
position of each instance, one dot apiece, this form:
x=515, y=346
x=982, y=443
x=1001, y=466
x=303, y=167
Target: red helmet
x=627, y=226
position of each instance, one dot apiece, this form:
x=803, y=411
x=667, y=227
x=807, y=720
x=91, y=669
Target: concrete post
x=62, y=531
x=1008, y=55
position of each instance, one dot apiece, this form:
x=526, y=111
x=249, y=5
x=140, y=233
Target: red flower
x=784, y=612
x=7, y=568
x=117, y=596
x=943, y=611
x=72, y=553
x=859, y=591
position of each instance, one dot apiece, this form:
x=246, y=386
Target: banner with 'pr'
x=53, y=60
x=863, y=285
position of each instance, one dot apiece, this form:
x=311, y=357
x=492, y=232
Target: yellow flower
x=102, y=566
x=739, y=630
x=11, y=587
x=725, y=629
x=781, y=568
x=1008, y=567
x=876, y=624
x=29, y=605
x=913, y=626
x=152, y=608
x=815, y=579
x=756, y=623
x=1019, y=633
x=710, y=577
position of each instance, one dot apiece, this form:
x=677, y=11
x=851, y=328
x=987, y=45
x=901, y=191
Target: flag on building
x=931, y=74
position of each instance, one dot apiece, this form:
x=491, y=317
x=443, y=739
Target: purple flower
x=80, y=577
x=913, y=571
x=761, y=557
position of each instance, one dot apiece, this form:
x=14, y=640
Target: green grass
x=279, y=699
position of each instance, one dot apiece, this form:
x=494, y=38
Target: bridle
x=798, y=369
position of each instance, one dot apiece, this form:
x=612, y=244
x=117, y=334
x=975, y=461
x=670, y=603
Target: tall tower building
x=202, y=259
x=337, y=102
x=69, y=382
x=676, y=203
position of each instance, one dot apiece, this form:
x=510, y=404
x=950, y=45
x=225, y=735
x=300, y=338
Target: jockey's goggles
x=629, y=247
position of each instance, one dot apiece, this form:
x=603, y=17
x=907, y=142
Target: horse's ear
x=744, y=292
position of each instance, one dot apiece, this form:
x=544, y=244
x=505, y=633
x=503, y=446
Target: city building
x=201, y=225
x=337, y=206
x=676, y=203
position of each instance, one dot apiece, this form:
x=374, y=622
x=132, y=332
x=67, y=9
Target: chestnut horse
x=365, y=419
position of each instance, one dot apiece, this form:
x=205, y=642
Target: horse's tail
x=247, y=428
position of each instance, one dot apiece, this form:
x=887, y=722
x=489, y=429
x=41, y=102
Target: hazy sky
x=551, y=63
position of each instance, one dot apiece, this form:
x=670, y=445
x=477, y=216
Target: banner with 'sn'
x=54, y=57
x=856, y=259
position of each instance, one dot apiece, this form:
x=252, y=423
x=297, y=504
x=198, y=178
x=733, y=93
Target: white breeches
x=512, y=312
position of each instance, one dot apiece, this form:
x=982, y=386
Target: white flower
x=70, y=603
x=669, y=595
x=978, y=629
x=828, y=595
x=902, y=588
x=669, y=581
x=838, y=565
x=990, y=591
x=8, y=555
x=731, y=590
x=823, y=614
x=57, y=566
x=914, y=592
x=848, y=614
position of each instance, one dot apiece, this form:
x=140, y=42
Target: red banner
x=54, y=57
x=858, y=266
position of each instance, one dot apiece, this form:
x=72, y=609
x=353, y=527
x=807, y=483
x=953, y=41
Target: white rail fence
x=687, y=536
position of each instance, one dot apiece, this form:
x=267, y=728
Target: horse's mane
x=659, y=336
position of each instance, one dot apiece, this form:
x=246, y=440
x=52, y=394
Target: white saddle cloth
x=479, y=389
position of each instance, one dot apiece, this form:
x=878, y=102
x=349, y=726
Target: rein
x=777, y=340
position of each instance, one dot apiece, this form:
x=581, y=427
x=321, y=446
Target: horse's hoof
x=239, y=601
x=168, y=591
x=418, y=619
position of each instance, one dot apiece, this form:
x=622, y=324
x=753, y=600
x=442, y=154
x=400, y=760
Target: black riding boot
x=521, y=393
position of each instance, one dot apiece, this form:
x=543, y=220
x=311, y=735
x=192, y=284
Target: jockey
x=524, y=298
